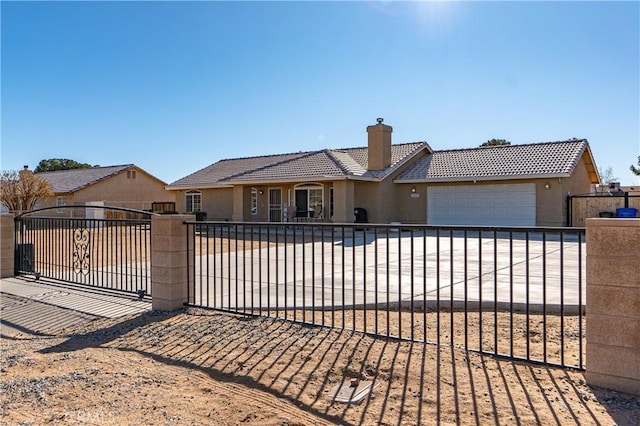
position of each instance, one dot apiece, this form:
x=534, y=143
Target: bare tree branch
x=21, y=191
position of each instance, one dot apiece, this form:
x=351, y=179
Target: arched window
x=309, y=199
x=193, y=201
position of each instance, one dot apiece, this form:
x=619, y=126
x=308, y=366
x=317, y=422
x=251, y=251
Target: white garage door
x=492, y=205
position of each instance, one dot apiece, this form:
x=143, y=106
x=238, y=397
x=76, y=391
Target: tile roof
x=213, y=175
x=324, y=164
x=547, y=159
x=67, y=181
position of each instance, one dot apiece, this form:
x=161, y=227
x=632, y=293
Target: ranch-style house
x=517, y=185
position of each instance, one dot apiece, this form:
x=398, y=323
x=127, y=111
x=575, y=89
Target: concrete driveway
x=45, y=306
x=399, y=269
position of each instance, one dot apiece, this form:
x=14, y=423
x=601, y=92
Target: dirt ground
x=198, y=367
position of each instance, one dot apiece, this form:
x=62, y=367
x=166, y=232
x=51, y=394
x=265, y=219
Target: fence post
x=169, y=261
x=613, y=304
x=7, y=245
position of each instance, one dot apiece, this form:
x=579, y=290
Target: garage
x=478, y=204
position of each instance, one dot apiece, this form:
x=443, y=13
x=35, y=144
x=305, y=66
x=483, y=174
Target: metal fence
x=512, y=292
x=106, y=253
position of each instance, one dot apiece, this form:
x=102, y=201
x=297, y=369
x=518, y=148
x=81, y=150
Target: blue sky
x=173, y=87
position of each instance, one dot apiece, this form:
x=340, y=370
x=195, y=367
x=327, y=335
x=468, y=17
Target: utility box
x=24, y=258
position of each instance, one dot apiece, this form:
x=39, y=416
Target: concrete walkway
x=44, y=306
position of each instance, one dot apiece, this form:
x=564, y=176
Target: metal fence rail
x=106, y=253
x=512, y=292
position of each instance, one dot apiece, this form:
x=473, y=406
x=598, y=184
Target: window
x=131, y=174
x=193, y=201
x=254, y=201
x=61, y=202
x=308, y=199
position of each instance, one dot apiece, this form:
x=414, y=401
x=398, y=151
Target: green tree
x=54, y=164
x=20, y=191
x=496, y=142
x=635, y=170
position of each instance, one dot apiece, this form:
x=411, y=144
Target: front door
x=302, y=202
x=275, y=204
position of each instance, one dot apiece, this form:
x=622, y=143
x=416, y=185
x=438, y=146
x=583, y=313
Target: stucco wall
x=388, y=194
x=552, y=203
x=116, y=191
x=119, y=190
x=388, y=201
x=288, y=200
x=385, y=202
x=235, y=203
x=217, y=203
x=366, y=197
x=411, y=207
x=344, y=201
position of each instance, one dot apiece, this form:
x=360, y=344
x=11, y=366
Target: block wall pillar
x=613, y=304
x=7, y=246
x=169, y=270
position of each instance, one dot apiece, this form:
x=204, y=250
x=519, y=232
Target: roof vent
x=380, y=120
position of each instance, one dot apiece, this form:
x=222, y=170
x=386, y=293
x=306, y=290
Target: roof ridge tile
x=341, y=166
x=484, y=148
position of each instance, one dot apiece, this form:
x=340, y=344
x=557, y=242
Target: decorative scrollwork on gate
x=81, y=257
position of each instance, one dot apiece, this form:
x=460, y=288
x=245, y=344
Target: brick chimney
x=379, y=155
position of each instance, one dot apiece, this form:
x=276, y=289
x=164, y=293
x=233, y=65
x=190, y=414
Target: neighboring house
x=408, y=183
x=116, y=186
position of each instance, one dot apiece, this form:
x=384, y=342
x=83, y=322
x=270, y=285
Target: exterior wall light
x=413, y=189
x=261, y=192
x=547, y=185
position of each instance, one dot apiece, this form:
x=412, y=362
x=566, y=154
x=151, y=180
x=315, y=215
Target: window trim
x=192, y=193
x=61, y=203
x=254, y=201
x=308, y=186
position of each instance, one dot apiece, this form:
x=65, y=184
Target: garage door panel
x=492, y=205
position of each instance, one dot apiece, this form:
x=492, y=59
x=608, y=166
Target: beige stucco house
x=126, y=186
x=408, y=183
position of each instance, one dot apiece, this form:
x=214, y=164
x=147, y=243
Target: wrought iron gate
x=112, y=251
